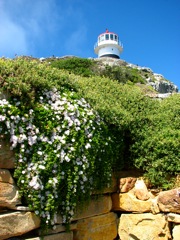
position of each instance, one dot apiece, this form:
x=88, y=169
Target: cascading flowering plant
x=62, y=150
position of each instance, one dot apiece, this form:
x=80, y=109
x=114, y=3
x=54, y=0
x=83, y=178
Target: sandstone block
x=129, y=203
x=143, y=227
x=173, y=217
x=7, y=158
x=99, y=227
x=5, y=176
x=126, y=184
x=176, y=232
x=98, y=205
x=9, y=195
x=140, y=190
x=17, y=223
x=154, y=206
x=169, y=201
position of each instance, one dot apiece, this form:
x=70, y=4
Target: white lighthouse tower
x=108, y=45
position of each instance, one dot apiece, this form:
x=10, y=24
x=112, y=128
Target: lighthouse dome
x=108, y=45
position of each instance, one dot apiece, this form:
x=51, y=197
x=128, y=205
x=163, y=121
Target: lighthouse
x=108, y=45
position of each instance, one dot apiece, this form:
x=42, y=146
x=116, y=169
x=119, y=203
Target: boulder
x=141, y=191
x=98, y=227
x=173, y=217
x=9, y=195
x=5, y=176
x=129, y=203
x=176, y=232
x=17, y=223
x=7, y=157
x=126, y=184
x=169, y=201
x=143, y=227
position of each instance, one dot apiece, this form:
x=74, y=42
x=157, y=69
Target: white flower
x=32, y=140
x=14, y=141
x=37, y=212
x=2, y=118
x=40, y=153
x=21, y=129
x=88, y=146
x=67, y=132
x=33, y=181
x=67, y=158
x=41, y=167
x=50, y=181
x=55, y=180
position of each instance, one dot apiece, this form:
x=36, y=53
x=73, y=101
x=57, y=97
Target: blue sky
x=148, y=29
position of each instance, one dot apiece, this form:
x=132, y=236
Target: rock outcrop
x=157, y=81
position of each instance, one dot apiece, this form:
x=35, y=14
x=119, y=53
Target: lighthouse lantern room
x=108, y=45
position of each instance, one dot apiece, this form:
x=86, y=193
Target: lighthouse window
x=115, y=38
x=107, y=36
x=101, y=38
x=111, y=36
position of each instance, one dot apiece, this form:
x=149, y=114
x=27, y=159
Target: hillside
x=72, y=120
x=116, y=69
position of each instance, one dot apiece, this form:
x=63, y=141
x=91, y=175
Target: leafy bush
x=79, y=66
x=156, y=141
x=122, y=74
x=146, y=130
x=62, y=145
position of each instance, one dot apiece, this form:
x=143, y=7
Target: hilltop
x=120, y=70
x=81, y=119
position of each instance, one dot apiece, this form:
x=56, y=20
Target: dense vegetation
x=88, y=67
x=70, y=131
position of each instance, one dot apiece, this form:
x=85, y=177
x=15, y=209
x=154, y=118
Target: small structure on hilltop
x=108, y=45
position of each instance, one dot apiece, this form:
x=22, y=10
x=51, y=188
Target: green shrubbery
x=79, y=66
x=66, y=148
x=62, y=145
x=88, y=67
x=123, y=74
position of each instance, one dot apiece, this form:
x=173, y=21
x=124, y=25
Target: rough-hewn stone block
x=97, y=206
x=126, y=184
x=9, y=195
x=17, y=223
x=6, y=155
x=173, y=217
x=144, y=226
x=5, y=176
x=128, y=202
x=141, y=191
x=96, y=228
x=169, y=201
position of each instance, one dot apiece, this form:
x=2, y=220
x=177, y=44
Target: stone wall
x=127, y=210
